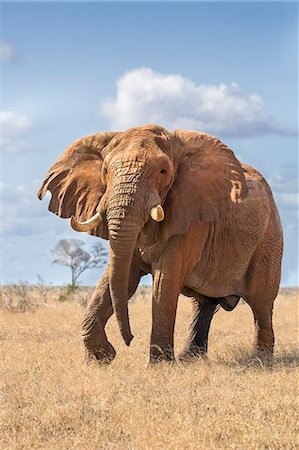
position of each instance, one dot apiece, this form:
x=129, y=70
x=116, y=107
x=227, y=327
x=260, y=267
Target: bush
x=18, y=297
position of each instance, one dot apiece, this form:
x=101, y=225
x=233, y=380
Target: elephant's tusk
x=88, y=225
x=157, y=213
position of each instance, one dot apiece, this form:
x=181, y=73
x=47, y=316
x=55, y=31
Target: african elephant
x=178, y=205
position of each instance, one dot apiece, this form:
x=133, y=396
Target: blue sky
x=71, y=69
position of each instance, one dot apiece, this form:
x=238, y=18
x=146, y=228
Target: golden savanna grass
x=51, y=400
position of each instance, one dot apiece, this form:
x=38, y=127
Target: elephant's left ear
x=208, y=183
x=75, y=181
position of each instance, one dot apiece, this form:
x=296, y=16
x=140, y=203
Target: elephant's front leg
x=98, y=311
x=170, y=273
x=165, y=298
x=197, y=343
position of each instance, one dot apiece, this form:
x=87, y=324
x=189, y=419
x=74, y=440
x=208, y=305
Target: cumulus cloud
x=285, y=187
x=14, y=127
x=146, y=96
x=7, y=52
x=20, y=209
x=289, y=199
x=23, y=214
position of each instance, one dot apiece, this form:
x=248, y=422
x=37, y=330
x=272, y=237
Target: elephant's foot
x=102, y=355
x=264, y=352
x=159, y=354
x=97, y=347
x=192, y=352
x=264, y=343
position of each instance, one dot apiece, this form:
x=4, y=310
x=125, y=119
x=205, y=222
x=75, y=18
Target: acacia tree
x=70, y=253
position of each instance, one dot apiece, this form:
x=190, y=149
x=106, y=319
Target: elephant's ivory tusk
x=157, y=213
x=88, y=225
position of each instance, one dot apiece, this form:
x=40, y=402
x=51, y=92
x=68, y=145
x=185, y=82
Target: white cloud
x=7, y=52
x=13, y=122
x=290, y=199
x=285, y=187
x=146, y=96
x=20, y=207
x=23, y=213
x=14, y=127
x=286, y=181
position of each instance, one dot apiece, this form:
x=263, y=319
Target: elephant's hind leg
x=197, y=343
x=262, y=284
x=264, y=335
x=261, y=301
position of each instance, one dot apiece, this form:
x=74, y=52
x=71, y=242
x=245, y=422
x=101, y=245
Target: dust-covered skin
x=180, y=206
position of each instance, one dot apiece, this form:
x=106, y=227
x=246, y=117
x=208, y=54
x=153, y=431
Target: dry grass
x=50, y=400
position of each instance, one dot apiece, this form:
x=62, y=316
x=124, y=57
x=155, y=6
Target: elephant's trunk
x=121, y=253
x=126, y=218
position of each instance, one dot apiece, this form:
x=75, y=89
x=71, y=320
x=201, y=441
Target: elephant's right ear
x=209, y=181
x=75, y=181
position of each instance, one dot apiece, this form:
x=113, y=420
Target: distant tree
x=70, y=253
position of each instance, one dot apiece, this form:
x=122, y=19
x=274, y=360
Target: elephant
x=178, y=205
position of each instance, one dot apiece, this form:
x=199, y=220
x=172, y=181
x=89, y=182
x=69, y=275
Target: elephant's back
x=251, y=173
x=260, y=200
x=254, y=223
x=255, y=181
x=251, y=216
x=250, y=220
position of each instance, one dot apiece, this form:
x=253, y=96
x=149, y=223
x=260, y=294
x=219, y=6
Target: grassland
x=51, y=400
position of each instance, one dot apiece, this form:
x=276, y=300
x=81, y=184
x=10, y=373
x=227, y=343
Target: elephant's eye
x=105, y=171
x=163, y=171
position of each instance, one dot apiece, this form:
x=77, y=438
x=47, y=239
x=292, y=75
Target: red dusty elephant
x=178, y=205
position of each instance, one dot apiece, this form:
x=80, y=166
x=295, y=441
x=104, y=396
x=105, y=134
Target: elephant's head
x=112, y=184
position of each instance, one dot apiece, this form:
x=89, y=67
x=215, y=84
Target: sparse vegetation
x=51, y=400
x=77, y=294
x=18, y=297
x=43, y=290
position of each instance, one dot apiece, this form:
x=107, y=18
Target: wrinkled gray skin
x=220, y=240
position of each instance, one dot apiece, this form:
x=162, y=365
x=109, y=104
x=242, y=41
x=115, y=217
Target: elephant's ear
x=75, y=181
x=208, y=182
